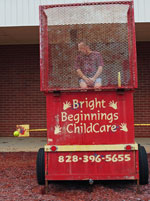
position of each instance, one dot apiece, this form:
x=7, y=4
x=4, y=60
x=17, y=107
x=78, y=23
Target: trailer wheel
x=143, y=166
x=40, y=167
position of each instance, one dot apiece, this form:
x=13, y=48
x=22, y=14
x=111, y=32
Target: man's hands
x=89, y=81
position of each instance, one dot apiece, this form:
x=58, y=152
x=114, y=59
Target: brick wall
x=142, y=94
x=21, y=101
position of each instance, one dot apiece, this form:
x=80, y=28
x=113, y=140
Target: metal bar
x=119, y=79
x=112, y=147
x=45, y=129
x=87, y=4
x=42, y=129
x=141, y=124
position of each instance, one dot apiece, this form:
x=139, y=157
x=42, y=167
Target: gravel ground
x=18, y=183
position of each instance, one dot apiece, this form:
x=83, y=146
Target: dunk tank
x=90, y=129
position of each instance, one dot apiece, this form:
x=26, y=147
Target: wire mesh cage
x=90, y=45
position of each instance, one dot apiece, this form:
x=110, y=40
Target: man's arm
x=86, y=79
x=97, y=74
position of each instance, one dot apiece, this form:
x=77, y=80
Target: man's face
x=82, y=48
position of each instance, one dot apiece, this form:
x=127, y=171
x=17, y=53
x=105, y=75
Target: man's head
x=84, y=48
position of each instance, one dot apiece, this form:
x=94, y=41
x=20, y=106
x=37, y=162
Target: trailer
x=88, y=72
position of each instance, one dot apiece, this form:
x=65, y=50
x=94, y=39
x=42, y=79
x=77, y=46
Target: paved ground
x=32, y=144
x=17, y=144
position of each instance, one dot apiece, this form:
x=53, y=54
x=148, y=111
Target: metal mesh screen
x=87, y=46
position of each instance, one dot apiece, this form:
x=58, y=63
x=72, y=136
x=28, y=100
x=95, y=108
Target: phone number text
x=94, y=158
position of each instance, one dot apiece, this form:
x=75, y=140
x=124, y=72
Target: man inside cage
x=89, y=66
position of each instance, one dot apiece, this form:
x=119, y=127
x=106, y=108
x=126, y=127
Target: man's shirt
x=89, y=64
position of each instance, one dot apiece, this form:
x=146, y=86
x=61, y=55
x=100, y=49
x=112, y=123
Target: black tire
x=40, y=167
x=143, y=165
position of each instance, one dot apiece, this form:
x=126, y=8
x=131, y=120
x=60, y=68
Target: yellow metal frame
x=141, y=124
x=112, y=147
